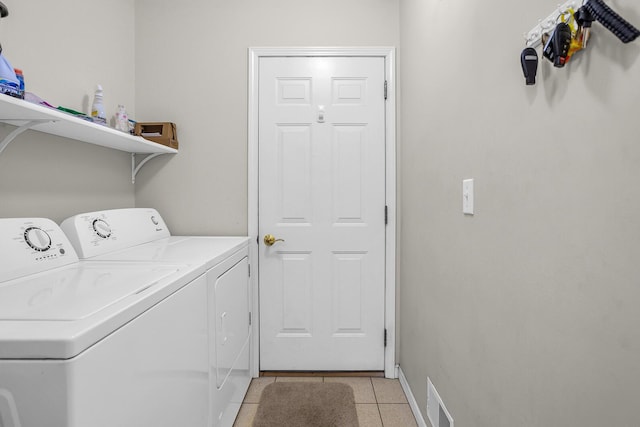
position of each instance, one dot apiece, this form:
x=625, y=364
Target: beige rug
x=306, y=404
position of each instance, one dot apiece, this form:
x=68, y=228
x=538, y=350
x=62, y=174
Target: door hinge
x=385, y=89
x=249, y=268
x=385, y=337
x=249, y=318
x=386, y=215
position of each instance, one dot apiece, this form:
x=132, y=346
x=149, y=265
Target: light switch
x=467, y=196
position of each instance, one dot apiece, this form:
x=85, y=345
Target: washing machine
x=97, y=343
x=141, y=235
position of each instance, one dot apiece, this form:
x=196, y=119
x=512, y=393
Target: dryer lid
x=192, y=250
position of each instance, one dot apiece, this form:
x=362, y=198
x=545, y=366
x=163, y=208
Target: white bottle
x=97, y=109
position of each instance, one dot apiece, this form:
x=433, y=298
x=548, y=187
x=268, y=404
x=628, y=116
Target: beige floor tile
x=299, y=379
x=246, y=415
x=368, y=415
x=388, y=391
x=256, y=387
x=362, y=387
x=397, y=415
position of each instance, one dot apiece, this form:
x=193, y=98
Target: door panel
x=322, y=190
x=348, y=146
x=348, y=288
x=294, y=173
x=295, y=295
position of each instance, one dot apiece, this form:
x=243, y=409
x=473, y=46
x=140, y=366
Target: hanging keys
x=560, y=45
x=576, y=44
x=584, y=18
x=557, y=47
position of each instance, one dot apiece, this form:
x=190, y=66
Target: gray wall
x=191, y=68
x=65, y=48
x=527, y=313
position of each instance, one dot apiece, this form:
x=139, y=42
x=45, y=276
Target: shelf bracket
x=17, y=131
x=135, y=169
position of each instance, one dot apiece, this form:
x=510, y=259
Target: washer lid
x=77, y=291
x=60, y=313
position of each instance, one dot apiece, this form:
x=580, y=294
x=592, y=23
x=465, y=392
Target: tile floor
x=380, y=402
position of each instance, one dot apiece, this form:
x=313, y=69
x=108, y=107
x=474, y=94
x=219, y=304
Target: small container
x=20, y=77
x=122, y=120
x=132, y=126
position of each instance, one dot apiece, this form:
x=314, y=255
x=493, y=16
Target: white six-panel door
x=322, y=191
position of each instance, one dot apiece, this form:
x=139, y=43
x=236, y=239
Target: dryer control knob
x=37, y=239
x=101, y=228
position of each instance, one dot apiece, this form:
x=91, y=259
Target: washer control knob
x=37, y=239
x=154, y=220
x=101, y=228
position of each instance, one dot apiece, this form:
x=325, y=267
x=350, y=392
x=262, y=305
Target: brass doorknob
x=270, y=239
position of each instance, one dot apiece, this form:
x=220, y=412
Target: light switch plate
x=467, y=196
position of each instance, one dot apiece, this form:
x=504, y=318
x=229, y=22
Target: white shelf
x=18, y=112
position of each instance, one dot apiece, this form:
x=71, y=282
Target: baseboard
x=415, y=408
x=377, y=374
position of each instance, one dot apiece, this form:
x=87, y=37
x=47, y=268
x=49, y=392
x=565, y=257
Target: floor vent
x=436, y=411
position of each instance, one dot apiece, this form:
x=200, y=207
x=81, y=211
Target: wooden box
x=161, y=132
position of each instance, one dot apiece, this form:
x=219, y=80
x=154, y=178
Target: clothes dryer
x=96, y=343
x=141, y=235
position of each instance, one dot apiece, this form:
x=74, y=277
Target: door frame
x=388, y=53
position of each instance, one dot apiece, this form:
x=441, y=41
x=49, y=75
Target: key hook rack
x=567, y=31
x=588, y=11
x=533, y=37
